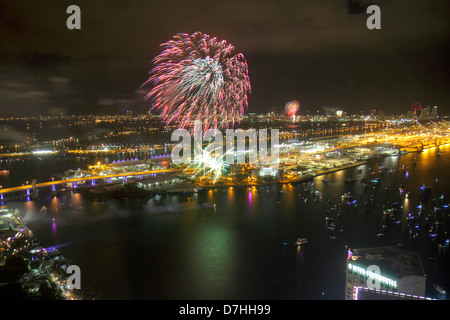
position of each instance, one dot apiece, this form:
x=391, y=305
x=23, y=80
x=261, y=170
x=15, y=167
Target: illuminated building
x=390, y=269
x=434, y=112
x=364, y=293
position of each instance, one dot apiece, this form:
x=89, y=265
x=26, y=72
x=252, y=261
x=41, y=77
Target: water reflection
x=185, y=247
x=209, y=261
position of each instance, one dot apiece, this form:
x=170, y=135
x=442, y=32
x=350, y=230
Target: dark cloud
x=317, y=51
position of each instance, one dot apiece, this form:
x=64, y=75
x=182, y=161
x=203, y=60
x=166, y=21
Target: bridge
x=34, y=186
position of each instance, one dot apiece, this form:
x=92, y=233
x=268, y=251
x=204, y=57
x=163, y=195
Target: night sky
x=315, y=51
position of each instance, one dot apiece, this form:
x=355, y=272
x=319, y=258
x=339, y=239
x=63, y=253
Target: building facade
x=384, y=268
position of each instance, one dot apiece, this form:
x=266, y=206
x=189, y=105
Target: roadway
x=116, y=175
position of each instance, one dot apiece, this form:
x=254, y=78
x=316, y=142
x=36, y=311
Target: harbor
x=206, y=233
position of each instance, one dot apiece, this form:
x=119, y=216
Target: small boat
x=347, y=195
x=325, y=180
x=43, y=209
x=350, y=179
x=439, y=289
x=301, y=241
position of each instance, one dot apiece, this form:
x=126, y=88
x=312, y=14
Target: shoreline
x=296, y=180
x=118, y=191
x=37, y=272
x=114, y=191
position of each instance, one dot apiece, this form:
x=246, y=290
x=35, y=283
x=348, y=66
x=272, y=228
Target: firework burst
x=207, y=162
x=196, y=77
x=292, y=107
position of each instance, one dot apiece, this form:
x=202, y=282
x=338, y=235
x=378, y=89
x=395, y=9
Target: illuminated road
x=50, y=183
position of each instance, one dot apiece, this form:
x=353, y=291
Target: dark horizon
x=317, y=52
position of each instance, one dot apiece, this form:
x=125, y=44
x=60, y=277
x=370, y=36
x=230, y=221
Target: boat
x=4, y=172
x=301, y=241
x=350, y=179
x=439, y=289
x=347, y=195
x=325, y=180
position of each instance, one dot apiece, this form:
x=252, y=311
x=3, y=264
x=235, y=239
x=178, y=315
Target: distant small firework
x=416, y=106
x=292, y=108
x=196, y=77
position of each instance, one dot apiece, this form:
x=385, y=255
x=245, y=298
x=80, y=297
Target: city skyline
x=318, y=53
x=224, y=150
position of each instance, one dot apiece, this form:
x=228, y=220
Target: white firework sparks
x=207, y=163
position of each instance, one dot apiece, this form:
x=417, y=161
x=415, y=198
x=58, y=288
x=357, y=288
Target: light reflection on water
x=227, y=243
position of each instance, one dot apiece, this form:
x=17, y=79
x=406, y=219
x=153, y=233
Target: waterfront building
x=389, y=268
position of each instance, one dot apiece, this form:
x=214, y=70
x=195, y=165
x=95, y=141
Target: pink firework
x=292, y=108
x=196, y=77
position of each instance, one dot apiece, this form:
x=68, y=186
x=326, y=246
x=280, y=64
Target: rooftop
x=391, y=260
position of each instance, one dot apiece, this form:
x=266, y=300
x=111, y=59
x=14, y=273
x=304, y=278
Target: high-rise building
x=434, y=112
x=384, y=268
x=425, y=113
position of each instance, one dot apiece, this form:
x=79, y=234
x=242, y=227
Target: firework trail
x=196, y=77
